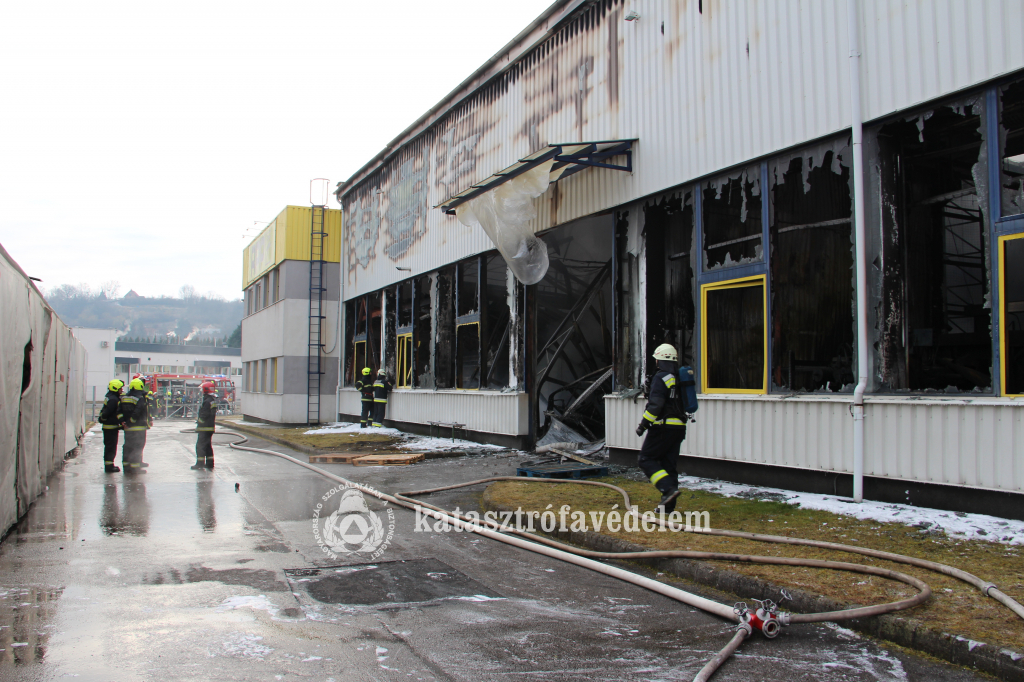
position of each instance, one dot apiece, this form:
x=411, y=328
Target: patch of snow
x=242, y=645
x=971, y=644
x=381, y=654
x=480, y=597
x=259, y=602
x=348, y=427
x=957, y=525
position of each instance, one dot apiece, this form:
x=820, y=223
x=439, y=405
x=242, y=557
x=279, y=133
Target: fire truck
x=179, y=395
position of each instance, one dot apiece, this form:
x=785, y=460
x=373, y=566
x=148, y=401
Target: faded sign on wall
x=260, y=254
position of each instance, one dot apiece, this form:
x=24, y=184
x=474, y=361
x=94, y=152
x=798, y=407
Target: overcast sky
x=139, y=141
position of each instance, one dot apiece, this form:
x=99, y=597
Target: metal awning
x=569, y=158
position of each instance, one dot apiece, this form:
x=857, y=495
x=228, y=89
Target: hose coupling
x=987, y=587
x=765, y=618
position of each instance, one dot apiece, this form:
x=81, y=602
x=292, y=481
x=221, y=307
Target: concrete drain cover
x=389, y=582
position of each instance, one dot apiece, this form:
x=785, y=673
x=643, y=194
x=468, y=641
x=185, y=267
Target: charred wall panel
x=423, y=337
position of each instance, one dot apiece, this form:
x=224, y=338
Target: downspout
x=857, y=128
x=342, y=261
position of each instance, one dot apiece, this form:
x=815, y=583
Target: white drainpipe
x=857, y=127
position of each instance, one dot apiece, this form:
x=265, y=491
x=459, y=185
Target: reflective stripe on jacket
x=365, y=388
x=206, y=419
x=109, y=411
x=663, y=407
x=380, y=390
x=135, y=410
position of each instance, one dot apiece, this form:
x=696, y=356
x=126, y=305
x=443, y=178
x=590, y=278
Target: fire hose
x=766, y=618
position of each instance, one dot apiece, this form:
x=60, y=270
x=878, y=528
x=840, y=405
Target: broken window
x=812, y=269
x=735, y=338
x=373, y=319
x=1012, y=269
x=467, y=323
x=444, y=354
x=497, y=321
x=731, y=213
x=350, y=332
x=405, y=303
x=467, y=359
x=935, y=322
x=572, y=308
x=390, y=332
x=403, y=377
x=1011, y=119
x=669, y=233
x=403, y=330
x=423, y=375
x=468, y=286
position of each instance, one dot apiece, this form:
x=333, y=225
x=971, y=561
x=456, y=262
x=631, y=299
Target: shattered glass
x=731, y=213
x=1011, y=120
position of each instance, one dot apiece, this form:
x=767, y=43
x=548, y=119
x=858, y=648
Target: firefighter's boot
x=110, y=468
x=668, y=502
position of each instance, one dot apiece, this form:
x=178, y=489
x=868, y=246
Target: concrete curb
x=915, y=634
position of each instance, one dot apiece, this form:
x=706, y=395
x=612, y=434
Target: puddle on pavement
x=125, y=509
x=258, y=579
x=25, y=623
x=389, y=582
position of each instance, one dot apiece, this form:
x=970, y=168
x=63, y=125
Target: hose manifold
x=765, y=618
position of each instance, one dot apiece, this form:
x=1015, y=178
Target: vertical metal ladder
x=316, y=316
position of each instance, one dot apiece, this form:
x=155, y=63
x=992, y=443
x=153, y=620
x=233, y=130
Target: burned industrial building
x=600, y=188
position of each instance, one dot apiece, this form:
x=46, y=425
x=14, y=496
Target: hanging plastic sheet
x=505, y=213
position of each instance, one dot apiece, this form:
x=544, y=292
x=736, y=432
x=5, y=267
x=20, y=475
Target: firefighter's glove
x=642, y=428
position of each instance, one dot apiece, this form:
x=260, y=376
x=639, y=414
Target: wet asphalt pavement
x=175, y=575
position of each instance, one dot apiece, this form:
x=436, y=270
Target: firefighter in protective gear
x=365, y=387
x=206, y=424
x=664, y=422
x=381, y=388
x=134, y=419
x=111, y=425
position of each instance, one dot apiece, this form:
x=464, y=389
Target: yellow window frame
x=479, y=343
x=404, y=378
x=357, y=371
x=755, y=280
x=1002, y=312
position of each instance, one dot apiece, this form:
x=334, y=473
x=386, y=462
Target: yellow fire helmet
x=136, y=385
x=366, y=371
x=115, y=385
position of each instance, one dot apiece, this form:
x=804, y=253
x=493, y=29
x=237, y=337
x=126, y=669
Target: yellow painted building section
x=287, y=237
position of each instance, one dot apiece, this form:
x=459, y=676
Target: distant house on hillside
x=131, y=295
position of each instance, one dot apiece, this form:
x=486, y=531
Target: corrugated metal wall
x=41, y=412
x=977, y=443
x=293, y=232
x=485, y=411
x=702, y=90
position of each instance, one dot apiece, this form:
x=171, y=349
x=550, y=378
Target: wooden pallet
x=567, y=470
x=388, y=459
x=336, y=457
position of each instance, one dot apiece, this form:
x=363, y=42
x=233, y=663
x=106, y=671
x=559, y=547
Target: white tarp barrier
x=42, y=392
x=504, y=213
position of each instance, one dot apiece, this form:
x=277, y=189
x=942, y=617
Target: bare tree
x=188, y=293
x=110, y=289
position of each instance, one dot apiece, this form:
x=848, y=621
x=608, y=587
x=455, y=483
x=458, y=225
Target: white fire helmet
x=665, y=351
